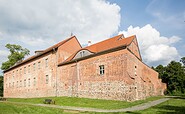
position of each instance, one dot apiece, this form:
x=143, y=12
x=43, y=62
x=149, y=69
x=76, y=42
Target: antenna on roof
x=71, y=34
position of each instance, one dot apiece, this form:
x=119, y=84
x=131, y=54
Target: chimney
x=89, y=43
x=39, y=52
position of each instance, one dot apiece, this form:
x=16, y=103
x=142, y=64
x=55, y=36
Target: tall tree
x=1, y=86
x=183, y=60
x=17, y=53
x=174, y=76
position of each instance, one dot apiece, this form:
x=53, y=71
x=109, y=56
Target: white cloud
x=35, y=41
x=45, y=19
x=3, y=56
x=39, y=24
x=155, y=49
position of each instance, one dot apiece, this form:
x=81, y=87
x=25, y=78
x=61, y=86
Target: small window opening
x=102, y=70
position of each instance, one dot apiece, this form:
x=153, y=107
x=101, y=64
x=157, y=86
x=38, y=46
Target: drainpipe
x=77, y=77
x=56, y=85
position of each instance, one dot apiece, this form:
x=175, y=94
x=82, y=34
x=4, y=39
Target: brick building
x=111, y=69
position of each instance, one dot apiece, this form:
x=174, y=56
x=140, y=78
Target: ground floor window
x=47, y=79
x=34, y=81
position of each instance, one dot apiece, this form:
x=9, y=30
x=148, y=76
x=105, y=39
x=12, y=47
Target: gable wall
x=67, y=49
x=135, y=48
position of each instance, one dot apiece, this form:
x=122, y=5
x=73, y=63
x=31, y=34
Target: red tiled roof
x=44, y=52
x=105, y=45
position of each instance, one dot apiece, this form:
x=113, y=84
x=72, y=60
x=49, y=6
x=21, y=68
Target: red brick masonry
x=111, y=69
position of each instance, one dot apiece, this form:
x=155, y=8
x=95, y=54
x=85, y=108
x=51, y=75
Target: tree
x=1, y=86
x=174, y=76
x=183, y=60
x=17, y=53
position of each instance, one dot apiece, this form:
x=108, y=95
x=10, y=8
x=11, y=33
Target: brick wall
x=125, y=78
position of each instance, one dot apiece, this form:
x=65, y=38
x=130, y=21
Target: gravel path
x=133, y=108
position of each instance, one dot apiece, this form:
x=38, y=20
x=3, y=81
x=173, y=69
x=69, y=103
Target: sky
x=159, y=25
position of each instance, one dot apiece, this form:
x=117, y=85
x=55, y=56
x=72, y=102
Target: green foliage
x=17, y=53
x=1, y=86
x=183, y=60
x=174, y=76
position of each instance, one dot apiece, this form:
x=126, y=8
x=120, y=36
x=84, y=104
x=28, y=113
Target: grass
x=173, y=106
x=9, y=108
x=85, y=102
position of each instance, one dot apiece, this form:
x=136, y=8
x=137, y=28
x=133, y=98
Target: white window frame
x=101, y=69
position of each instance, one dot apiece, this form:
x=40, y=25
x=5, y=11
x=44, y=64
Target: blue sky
x=158, y=24
x=166, y=16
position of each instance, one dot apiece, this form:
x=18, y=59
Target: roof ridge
x=107, y=44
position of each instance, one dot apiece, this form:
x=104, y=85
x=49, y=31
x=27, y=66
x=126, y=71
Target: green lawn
x=173, y=106
x=9, y=108
x=85, y=102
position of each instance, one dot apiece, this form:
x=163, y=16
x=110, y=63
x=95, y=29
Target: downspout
x=56, y=85
x=77, y=77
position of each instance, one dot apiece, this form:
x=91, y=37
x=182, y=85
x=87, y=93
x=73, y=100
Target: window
x=82, y=53
x=13, y=84
x=46, y=62
x=24, y=70
x=47, y=79
x=17, y=84
x=34, y=67
x=20, y=71
x=20, y=83
x=28, y=82
x=28, y=68
x=13, y=74
x=25, y=83
x=38, y=65
x=34, y=81
x=135, y=70
x=101, y=67
x=17, y=73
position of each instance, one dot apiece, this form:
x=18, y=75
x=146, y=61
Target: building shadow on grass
x=176, y=97
x=129, y=112
x=171, y=109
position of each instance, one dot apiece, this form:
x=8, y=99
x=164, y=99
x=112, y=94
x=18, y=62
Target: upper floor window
x=20, y=83
x=13, y=74
x=24, y=70
x=28, y=82
x=39, y=65
x=135, y=70
x=17, y=84
x=46, y=62
x=17, y=73
x=25, y=83
x=47, y=79
x=102, y=70
x=34, y=66
x=20, y=71
x=82, y=53
x=28, y=68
